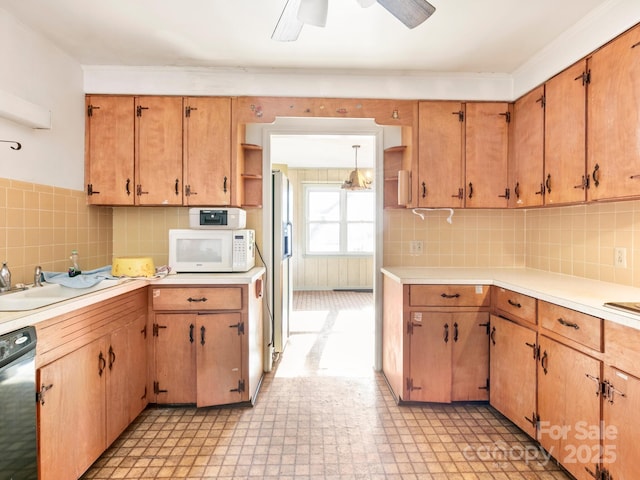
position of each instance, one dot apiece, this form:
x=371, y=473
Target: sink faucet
x=37, y=277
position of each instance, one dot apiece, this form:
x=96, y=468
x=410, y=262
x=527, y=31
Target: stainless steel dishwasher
x=18, y=447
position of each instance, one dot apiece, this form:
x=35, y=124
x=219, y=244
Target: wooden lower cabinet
x=513, y=372
x=89, y=395
x=199, y=358
x=207, y=344
x=621, y=424
x=448, y=357
x=569, y=407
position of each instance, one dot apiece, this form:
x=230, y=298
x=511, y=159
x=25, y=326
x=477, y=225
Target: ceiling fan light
x=288, y=27
x=313, y=12
x=410, y=12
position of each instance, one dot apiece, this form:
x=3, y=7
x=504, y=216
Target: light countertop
x=10, y=321
x=581, y=294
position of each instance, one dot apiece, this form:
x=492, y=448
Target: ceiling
x=461, y=36
x=488, y=36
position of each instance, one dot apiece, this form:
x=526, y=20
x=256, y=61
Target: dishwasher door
x=18, y=447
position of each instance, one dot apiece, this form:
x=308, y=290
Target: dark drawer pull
x=201, y=299
x=562, y=321
x=514, y=304
x=455, y=295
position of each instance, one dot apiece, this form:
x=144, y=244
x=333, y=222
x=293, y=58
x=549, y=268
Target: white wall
x=39, y=73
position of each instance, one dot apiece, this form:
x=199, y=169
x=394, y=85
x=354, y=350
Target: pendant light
x=356, y=180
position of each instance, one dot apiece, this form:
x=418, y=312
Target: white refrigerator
x=282, y=300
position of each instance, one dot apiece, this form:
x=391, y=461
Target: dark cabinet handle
x=202, y=331
x=455, y=332
x=514, y=304
x=493, y=335
x=594, y=175
x=177, y=187
x=455, y=295
x=516, y=190
x=446, y=333
x=201, y=299
x=191, y=327
x=127, y=187
x=470, y=189
x=562, y=321
x=544, y=362
x=547, y=183
x=112, y=357
x=224, y=185
x=424, y=190
x=102, y=364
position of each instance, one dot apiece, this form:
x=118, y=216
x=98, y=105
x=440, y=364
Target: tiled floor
x=324, y=414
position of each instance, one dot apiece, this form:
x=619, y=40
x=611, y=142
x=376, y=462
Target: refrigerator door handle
x=288, y=241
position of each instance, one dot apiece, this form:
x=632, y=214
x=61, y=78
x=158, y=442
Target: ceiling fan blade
x=313, y=12
x=288, y=27
x=410, y=12
x=366, y=3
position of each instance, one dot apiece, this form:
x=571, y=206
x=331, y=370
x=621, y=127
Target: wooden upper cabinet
x=526, y=161
x=486, y=149
x=440, y=150
x=158, y=150
x=207, y=151
x=109, y=150
x=613, y=127
x=565, y=130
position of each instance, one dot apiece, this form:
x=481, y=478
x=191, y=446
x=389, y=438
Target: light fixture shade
x=313, y=12
x=357, y=180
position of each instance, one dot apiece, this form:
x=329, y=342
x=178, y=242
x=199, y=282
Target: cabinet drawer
x=204, y=298
x=515, y=305
x=584, y=329
x=622, y=347
x=449, y=295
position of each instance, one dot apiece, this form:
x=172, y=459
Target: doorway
x=297, y=127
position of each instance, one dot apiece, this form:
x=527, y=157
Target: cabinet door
x=564, y=136
x=158, y=151
x=621, y=424
x=430, y=340
x=527, y=161
x=71, y=414
x=470, y=356
x=207, y=151
x=440, y=150
x=569, y=407
x=175, y=357
x=513, y=372
x=613, y=127
x=117, y=376
x=486, y=149
x=220, y=377
x=109, y=151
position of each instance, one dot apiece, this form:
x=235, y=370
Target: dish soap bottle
x=74, y=269
x=5, y=273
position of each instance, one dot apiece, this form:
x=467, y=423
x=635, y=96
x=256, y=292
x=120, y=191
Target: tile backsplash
x=40, y=225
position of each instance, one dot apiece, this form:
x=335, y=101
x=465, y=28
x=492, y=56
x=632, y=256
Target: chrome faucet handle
x=37, y=276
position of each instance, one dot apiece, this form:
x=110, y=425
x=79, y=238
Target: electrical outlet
x=620, y=257
x=415, y=247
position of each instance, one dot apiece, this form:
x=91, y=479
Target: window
x=338, y=222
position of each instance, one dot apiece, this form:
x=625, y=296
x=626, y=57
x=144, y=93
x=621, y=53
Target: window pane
x=324, y=206
x=324, y=237
x=360, y=237
x=360, y=206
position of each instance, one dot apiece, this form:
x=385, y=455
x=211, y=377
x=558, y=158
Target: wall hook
x=18, y=145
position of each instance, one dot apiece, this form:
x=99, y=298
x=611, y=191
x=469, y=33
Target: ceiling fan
x=314, y=12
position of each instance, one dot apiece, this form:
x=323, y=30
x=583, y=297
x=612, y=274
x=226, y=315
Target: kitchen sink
x=627, y=306
x=48, y=294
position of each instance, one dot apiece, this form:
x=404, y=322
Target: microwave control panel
x=243, y=247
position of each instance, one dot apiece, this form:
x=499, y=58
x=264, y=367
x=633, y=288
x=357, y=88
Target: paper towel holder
x=404, y=187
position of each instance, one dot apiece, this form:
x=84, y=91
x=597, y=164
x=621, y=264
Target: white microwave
x=211, y=251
